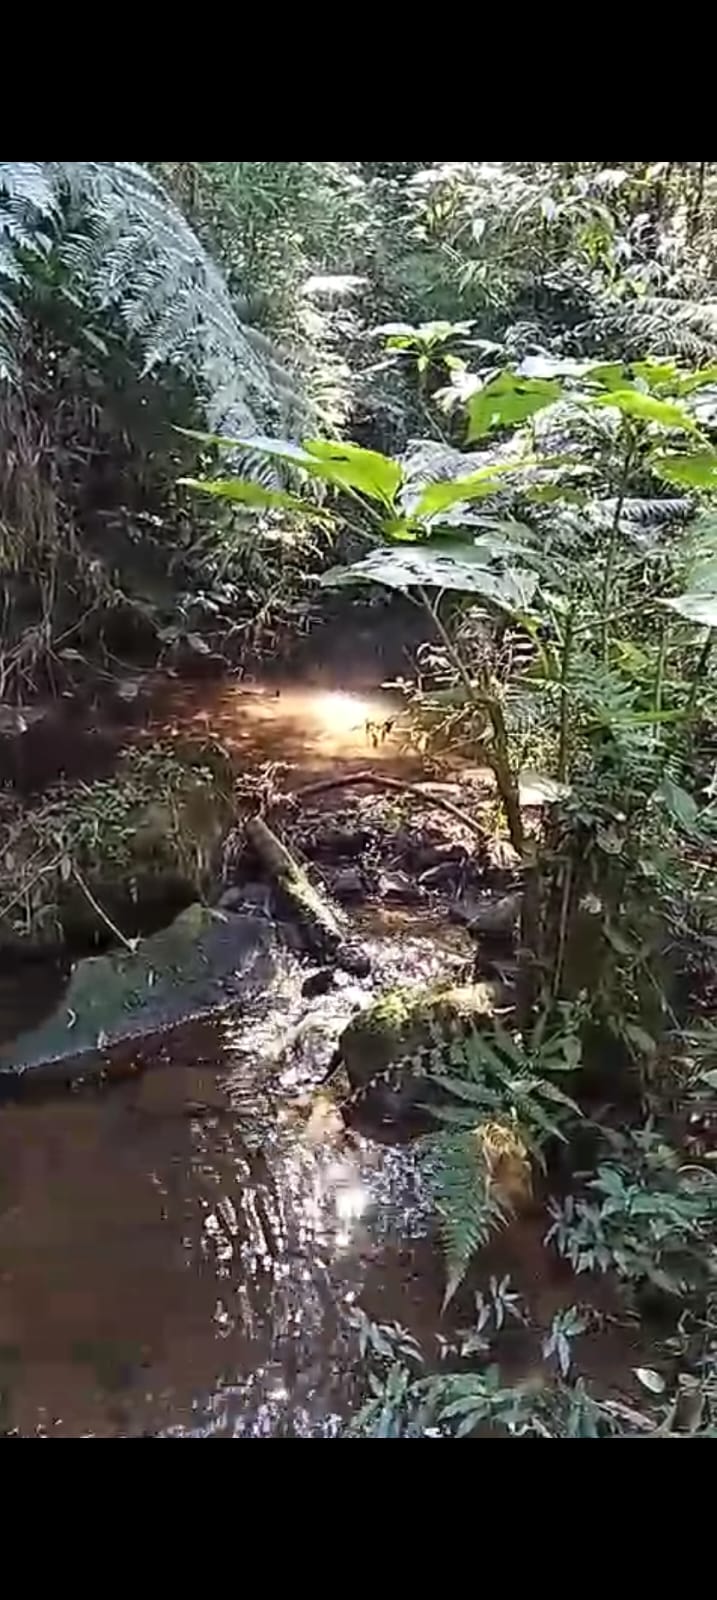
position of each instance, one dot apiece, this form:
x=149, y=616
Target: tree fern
x=121, y=251
x=683, y=328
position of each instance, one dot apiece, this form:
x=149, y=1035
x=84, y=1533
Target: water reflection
x=308, y=727
x=179, y=1255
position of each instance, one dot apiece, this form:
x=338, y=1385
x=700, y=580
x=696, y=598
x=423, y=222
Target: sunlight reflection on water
x=303, y=726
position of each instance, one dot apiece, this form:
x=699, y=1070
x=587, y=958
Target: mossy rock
x=202, y=962
x=405, y=1021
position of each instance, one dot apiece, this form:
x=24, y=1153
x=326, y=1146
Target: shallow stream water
x=182, y=1253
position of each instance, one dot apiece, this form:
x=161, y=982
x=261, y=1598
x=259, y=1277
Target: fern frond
x=658, y=325
x=130, y=256
x=469, y=1210
x=648, y=513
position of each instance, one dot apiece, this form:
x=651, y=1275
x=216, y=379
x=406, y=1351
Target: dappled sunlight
x=310, y=727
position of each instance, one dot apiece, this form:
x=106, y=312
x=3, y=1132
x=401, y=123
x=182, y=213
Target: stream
x=187, y=1244
x=182, y=1252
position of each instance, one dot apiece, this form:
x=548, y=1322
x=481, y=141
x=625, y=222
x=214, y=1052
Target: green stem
x=659, y=682
x=699, y=672
x=499, y=756
x=562, y=928
x=612, y=548
x=564, y=673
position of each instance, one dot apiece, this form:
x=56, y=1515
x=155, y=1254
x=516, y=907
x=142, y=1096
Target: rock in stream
x=202, y=962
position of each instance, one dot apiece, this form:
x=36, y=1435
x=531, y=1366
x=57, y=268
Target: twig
x=129, y=944
x=29, y=884
x=398, y=784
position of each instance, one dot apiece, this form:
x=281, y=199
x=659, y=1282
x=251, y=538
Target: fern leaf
x=469, y=1212
x=131, y=257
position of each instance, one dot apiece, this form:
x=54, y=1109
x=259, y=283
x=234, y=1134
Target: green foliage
x=480, y=1404
x=498, y=1108
x=468, y=1208
x=250, y=494
x=461, y=568
x=494, y=1077
x=507, y=400
x=566, y=1326
x=153, y=829
x=103, y=241
x=651, y=1222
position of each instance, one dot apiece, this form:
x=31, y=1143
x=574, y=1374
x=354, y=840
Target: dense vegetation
x=505, y=380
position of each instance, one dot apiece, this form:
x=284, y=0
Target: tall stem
x=699, y=672
x=499, y=755
x=659, y=682
x=612, y=547
x=564, y=674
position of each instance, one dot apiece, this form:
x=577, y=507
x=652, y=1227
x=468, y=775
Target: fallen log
x=322, y=926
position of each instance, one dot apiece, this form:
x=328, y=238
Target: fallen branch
x=380, y=782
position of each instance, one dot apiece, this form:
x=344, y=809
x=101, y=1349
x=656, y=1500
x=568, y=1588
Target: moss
x=403, y=1021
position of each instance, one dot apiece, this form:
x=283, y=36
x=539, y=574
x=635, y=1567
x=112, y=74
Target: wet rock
x=354, y=959
x=404, y=1021
x=318, y=983
x=399, y=889
x=332, y=842
x=247, y=897
x=202, y=962
x=443, y=872
x=348, y=885
x=438, y=855
x=489, y=918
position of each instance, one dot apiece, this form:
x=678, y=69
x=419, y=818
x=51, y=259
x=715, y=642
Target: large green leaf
x=260, y=444
x=698, y=607
x=646, y=408
x=611, y=374
x=620, y=375
x=476, y=486
x=695, y=380
x=695, y=471
x=507, y=400
x=345, y=466
x=395, y=330
x=251, y=494
x=656, y=374
x=368, y=471
x=430, y=567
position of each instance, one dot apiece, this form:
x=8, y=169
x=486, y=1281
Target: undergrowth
x=150, y=832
